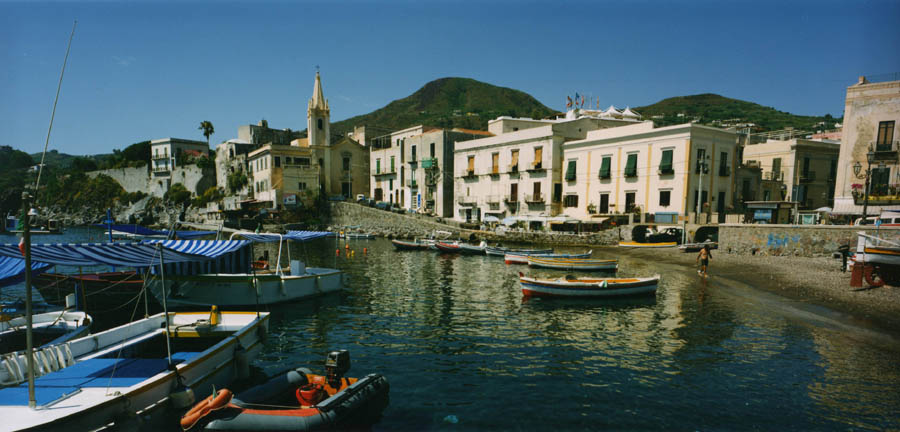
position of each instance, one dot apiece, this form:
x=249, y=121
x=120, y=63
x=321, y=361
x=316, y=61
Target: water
x=463, y=351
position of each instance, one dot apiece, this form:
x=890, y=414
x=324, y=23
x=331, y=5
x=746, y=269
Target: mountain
x=715, y=110
x=448, y=102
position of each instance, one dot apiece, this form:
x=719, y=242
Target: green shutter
x=666, y=165
x=570, y=172
x=631, y=166
x=604, y=167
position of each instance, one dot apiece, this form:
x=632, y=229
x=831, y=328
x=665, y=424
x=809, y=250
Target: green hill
x=714, y=110
x=449, y=102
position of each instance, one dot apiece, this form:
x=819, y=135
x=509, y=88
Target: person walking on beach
x=703, y=258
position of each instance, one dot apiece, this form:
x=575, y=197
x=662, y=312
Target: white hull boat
x=125, y=372
x=48, y=328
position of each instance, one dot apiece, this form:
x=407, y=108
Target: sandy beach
x=817, y=281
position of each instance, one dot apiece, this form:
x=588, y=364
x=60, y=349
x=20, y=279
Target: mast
x=29, y=338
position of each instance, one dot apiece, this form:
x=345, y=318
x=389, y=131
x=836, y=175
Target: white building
x=613, y=171
x=806, y=168
x=164, y=153
x=517, y=172
x=386, y=160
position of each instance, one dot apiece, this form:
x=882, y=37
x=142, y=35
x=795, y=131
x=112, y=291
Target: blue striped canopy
x=206, y=248
x=12, y=270
x=187, y=235
x=113, y=254
x=132, y=229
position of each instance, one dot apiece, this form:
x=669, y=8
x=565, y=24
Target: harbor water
x=463, y=350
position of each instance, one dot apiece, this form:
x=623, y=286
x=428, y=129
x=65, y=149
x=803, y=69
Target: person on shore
x=703, y=258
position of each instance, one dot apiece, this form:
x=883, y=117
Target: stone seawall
x=794, y=240
x=408, y=226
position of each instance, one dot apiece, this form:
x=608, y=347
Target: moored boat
x=587, y=287
x=296, y=401
x=48, y=328
x=583, y=264
x=518, y=258
x=502, y=251
x=449, y=247
x=695, y=247
x=472, y=249
x=634, y=244
x=410, y=245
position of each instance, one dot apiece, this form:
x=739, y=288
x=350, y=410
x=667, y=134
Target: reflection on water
x=455, y=338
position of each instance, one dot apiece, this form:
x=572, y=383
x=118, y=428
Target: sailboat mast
x=29, y=338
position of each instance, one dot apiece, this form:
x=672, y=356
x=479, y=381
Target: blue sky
x=146, y=70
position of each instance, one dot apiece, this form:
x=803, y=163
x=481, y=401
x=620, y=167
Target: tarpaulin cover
x=206, y=248
x=88, y=254
x=12, y=270
x=301, y=236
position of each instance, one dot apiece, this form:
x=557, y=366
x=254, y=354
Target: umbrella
x=491, y=219
x=509, y=221
x=824, y=209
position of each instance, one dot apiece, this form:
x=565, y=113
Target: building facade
x=869, y=149
x=518, y=171
x=806, y=168
x=385, y=160
x=165, y=153
x=284, y=175
x=669, y=172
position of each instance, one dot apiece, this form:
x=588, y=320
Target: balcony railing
x=809, y=176
x=536, y=166
x=492, y=199
x=534, y=198
x=412, y=183
x=514, y=169
x=384, y=172
x=511, y=199
x=663, y=170
x=774, y=175
x=160, y=157
x=884, y=151
x=466, y=200
x=468, y=173
x=495, y=171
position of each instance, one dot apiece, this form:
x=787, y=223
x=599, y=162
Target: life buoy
x=214, y=402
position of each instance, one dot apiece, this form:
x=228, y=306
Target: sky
x=142, y=70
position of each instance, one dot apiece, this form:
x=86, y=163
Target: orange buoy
x=214, y=402
x=347, y=246
x=337, y=252
x=365, y=251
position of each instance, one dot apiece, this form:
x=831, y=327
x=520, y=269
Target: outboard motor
x=337, y=363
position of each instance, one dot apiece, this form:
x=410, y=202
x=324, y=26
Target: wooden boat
x=357, y=236
x=515, y=258
x=407, y=245
x=48, y=328
x=583, y=264
x=187, y=287
x=450, y=247
x=695, y=247
x=633, y=244
x=91, y=382
x=101, y=291
x=468, y=249
x=587, y=287
x=297, y=401
x=502, y=251
x=877, y=261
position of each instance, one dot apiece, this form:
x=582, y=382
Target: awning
x=491, y=219
x=846, y=206
x=12, y=270
x=112, y=254
x=206, y=248
x=300, y=236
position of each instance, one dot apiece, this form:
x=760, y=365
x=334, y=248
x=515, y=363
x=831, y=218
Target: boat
x=583, y=264
x=12, y=270
x=296, y=400
x=468, y=249
x=48, y=328
x=357, y=236
x=413, y=245
x=518, y=258
x=587, y=287
x=242, y=286
x=877, y=261
x=502, y=251
x=695, y=247
x=91, y=382
x=99, y=291
x=451, y=247
x=633, y=244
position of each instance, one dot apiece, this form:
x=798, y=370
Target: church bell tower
x=318, y=117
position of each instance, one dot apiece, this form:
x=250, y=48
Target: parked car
x=383, y=205
x=666, y=235
x=361, y=198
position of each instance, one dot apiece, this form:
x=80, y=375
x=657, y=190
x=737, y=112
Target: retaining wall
x=794, y=240
x=408, y=226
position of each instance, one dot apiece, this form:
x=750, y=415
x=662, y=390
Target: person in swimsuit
x=703, y=258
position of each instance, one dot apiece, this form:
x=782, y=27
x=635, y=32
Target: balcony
x=384, y=172
x=412, y=184
x=884, y=152
x=468, y=174
x=429, y=163
x=724, y=171
x=161, y=172
x=774, y=175
x=160, y=157
x=492, y=199
x=466, y=200
x=534, y=198
x=536, y=166
x=511, y=199
x=495, y=171
x=807, y=177
x=513, y=169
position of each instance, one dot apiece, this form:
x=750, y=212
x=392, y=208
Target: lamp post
x=702, y=163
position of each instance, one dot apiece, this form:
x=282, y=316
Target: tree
x=207, y=127
x=177, y=194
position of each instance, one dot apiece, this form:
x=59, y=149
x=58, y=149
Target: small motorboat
x=449, y=247
x=502, y=251
x=357, y=236
x=583, y=264
x=634, y=244
x=413, y=245
x=519, y=258
x=695, y=247
x=49, y=328
x=468, y=249
x=587, y=287
x=296, y=401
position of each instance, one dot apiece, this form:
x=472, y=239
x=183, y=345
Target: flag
x=582, y=100
x=22, y=245
x=569, y=103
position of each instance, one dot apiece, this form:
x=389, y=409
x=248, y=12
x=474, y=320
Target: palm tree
x=207, y=127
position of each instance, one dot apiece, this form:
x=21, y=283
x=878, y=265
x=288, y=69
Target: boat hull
x=246, y=290
x=514, y=258
x=647, y=245
x=447, y=247
x=405, y=245
x=499, y=251
x=532, y=287
x=573, y=264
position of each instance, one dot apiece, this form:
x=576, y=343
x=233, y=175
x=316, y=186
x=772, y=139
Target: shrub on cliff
x=177, y=194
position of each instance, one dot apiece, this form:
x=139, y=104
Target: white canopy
x=630, y=114
x=612, y=111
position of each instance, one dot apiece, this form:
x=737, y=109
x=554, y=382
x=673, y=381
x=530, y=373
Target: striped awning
x=113, y=254
x=206, y=248
x=12, y=270
x=300, y=236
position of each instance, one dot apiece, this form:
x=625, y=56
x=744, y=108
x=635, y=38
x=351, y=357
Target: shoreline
x=816, y=281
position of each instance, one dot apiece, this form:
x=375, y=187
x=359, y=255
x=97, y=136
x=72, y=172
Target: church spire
x=318, y=101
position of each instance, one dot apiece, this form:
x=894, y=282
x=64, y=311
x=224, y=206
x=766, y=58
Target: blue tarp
x=113, y=254
x=207, y=248
x=300, y=236
x=12, y=270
